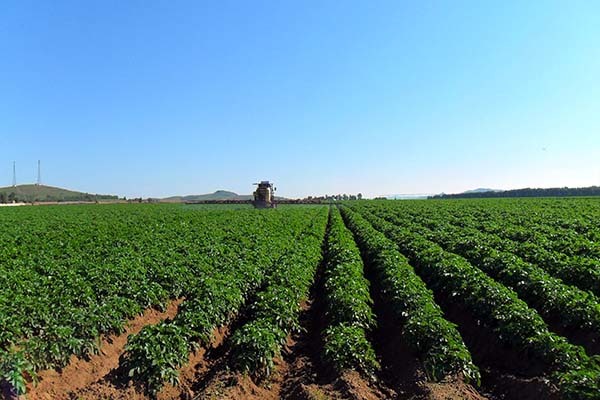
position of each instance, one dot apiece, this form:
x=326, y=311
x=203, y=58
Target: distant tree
x=12, y=197
x=359, y=196
x=345, y=196
x=527, y=192
x=2, y=198
x=352, y=197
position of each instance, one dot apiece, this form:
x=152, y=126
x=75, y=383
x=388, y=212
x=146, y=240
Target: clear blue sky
x=157, y=98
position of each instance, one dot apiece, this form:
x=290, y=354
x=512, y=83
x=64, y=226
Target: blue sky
x=157, y=98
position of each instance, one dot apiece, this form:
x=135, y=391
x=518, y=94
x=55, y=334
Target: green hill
x=29, y=193
x=218, y=195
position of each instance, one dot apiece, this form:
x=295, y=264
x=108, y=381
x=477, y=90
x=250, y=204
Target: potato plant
x=348, y=303
x=421, y=323
x=276, y=308
x=576, y=374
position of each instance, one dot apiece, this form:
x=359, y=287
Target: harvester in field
x=264, y=195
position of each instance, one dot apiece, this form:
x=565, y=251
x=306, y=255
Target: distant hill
x=30, y=193
x=218, y=195
x=527, y=192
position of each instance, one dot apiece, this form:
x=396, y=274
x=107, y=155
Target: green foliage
x=71, y=274
x=13, y=368
x=154, y=354
x=574, y=308
x=75, y=273
x=346, y=347
x=434, y=339
x=577, y=375
x=348, y=302
x=346, y=289
x=257, y=343
x=274, y=313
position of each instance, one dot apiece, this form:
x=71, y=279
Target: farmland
x=432, y=299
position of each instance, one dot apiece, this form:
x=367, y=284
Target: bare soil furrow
x=83, y=372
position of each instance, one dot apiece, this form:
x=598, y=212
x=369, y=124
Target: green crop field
x=424, y=299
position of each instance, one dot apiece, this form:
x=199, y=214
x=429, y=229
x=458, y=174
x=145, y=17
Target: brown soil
x=294, y=375
x=454, y=388
x=81, y=373
x=586, y=337
x=299, y=373
x=308, y=377
x=507, y=386
x=402, y=375
x=113, y=386
x=506, y=373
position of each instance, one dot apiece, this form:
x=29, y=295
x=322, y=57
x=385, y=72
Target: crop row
x=560, y=231
x=565, y=241
x=573, y=218
x=583, y=272
x=422, y=325
x=512, y=321
x=85, y=275
x=533, y=222
x=155, y=354
x=579, y=271
x=348, y=303
x=275, y=310
x=70, y=274
x=571, y=307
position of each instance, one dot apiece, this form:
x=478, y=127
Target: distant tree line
x=330, y=198
x=527, y=192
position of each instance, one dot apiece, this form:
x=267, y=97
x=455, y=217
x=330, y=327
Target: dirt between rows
x=80, y=373
x=299, y=374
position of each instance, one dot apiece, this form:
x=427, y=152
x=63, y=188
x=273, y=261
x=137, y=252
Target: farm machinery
x=264, y=195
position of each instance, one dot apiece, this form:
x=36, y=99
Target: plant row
x=514, y=323
x=348, y=303
x=579, y=271
x=75, y=273
x=571, y=307
x=274, y=313
x=422, y=326
x=583, y=272
x=70, y=274
x=154, y=355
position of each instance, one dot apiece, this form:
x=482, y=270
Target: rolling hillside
x=218, y=195
x=29, y=193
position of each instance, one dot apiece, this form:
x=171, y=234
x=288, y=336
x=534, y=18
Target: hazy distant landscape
x=41, y=193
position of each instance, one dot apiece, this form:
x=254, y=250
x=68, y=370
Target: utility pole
x=14, y=173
